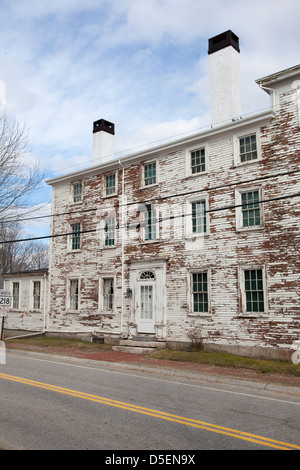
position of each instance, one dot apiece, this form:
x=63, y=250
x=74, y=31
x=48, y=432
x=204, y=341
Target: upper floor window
x=249, y=208
x=110, y=184
x=149, y=222
x=109, y=231
x=77, y=191
x=199, y=216
x=248, y=148
x=75, y=237
x=198, y=161
x=150, y=173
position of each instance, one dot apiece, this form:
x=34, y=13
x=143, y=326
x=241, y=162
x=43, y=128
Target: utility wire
x=135, y=224
x=157, y=198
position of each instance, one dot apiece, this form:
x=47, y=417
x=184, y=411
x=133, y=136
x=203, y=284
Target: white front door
x=146, y=307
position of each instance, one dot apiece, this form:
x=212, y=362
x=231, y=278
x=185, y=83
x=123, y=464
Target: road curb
x=169, y=371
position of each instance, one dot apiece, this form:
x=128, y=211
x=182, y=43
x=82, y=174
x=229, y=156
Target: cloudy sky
x=141, y=64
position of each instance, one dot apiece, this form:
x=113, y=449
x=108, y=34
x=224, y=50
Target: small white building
x=29, y=303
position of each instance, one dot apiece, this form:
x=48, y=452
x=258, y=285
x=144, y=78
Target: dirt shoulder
x=107, y=355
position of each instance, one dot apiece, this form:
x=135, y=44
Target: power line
x=159, y=220
x=157, y=198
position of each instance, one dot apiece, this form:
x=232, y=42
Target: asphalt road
x=73, y=404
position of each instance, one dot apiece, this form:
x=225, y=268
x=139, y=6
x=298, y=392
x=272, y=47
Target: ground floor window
x=254, y=290
x=200, y=292
x=107, y=294
x=16, y=295
x=36, y=295
x=73, y=294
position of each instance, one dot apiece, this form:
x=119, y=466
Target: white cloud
x=140, y=63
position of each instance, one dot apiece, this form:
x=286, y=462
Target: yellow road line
x=158, y=414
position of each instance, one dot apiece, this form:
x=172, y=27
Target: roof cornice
x=235, y=126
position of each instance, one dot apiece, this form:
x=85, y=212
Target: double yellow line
x=264, y=441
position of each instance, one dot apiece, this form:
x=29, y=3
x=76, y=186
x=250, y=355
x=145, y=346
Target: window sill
x=106, y=196
x=201, y=315
x=108, y=247
x=250, y=229
x=73, y=311
x=196, y=236
x=149, y=186
x=253, y=315
x=249, y=162
x=149, y=242
x=73, y=251
x=102, y=312
x=75, y=203
x=194, y=175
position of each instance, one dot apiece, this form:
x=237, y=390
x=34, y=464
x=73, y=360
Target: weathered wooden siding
x=223, y=252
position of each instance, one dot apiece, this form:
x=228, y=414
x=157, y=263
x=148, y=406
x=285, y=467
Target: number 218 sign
x=5, y=299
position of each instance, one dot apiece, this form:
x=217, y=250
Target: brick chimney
x=224, y=69
x=103, y=141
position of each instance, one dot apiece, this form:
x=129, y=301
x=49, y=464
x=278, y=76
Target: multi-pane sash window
x=73, y=294
x=108, y=294
x=198, y=161
x=150, y=173
x=248, y=148
x=16, y=295
x=109, y=231
x=36, y=295
x=200, y=292
x=251, y=208
x=199, y=216
x=110, y=184
x=77, y=192
x=150, y=222
x=254, y=290
x=75, y=237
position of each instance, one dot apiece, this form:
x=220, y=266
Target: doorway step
x=140, y=345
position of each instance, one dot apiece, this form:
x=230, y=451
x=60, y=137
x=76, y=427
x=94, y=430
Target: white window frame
x=154, y=209
x=236, y=144
x=148, y=162
x=72, y=201
x=70, y=237
x=239, y=209
x=101, y=303
x=241, y=275
x=191, y=272
x=189, y=151
x=68, y=300
x=13, y=307
x=105, y=195
x=103, y=231
x=188, y=216
x=31, y=303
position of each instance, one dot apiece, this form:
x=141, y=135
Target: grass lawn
x=218, y=359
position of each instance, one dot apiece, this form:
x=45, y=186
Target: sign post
x=5, y=304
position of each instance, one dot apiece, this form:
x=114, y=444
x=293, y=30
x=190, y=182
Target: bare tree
x=18, y=179
x=18, y=256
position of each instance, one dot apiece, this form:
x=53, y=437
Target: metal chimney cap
x=103, y=125
x=228, y=38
